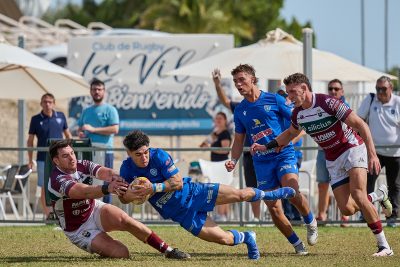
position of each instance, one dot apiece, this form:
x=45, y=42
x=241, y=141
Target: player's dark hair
x=96, y=81
x=56, y=145
x=247, y=69
x=297, y=78
x=135, y=140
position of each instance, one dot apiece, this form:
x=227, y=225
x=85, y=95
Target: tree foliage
x=247, y=20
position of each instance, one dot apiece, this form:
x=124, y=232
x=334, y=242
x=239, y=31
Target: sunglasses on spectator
x=334, y=88
x=381, y=89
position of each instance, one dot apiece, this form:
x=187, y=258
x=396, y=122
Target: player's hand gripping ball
x=139, y=181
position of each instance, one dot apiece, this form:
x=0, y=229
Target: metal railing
x=241, y=212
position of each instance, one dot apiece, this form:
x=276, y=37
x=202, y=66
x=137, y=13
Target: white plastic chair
x=307, y=179
x=215, y=172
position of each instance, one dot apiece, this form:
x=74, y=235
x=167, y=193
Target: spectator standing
x=47, y=124
x=100, y=122
x=335, y=89
x=220, y=137
x=382, y=112
x=249, y=173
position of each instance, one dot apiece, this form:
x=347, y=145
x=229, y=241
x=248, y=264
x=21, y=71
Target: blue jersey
x=160, y=168
x=263, y=120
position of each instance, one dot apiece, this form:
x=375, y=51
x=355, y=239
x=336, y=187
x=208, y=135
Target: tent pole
x=21, y=116
x=307, y=70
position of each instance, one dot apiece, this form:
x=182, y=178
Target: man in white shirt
x=382, y=112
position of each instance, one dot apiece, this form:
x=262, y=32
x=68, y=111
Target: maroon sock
x=156, y=242
x=369, y=198
x=376, y=227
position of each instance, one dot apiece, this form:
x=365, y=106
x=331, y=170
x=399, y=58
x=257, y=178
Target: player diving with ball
x=86, y=220
x=184, y=201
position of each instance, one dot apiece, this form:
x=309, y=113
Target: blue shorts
x=40, y=173
x=269, y=173
x=322, y=171
x=202, y=201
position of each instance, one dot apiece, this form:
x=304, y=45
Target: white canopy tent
x=277, y=56
x=24, y=76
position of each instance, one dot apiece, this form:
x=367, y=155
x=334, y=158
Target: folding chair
x=20, y=188
x=7, y=190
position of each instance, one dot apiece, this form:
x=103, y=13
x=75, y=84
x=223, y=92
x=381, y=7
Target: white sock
x=374, y=197
x=381, y=239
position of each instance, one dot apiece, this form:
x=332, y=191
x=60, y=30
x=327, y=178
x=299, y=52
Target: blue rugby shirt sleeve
x=125, y=173
x=239, y=127
x=284, y=109
x=167, y=165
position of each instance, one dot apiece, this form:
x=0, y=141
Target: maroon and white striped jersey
x=72, y=213
x=324, y=122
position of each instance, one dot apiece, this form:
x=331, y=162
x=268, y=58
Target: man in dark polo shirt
x=47, y=124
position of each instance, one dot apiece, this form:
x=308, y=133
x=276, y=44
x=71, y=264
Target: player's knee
x=244, y=195
x=119, y=251
x=275, y=210
x=347, y=210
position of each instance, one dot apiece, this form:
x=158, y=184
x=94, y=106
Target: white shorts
x=83, y=236
x=355, y=157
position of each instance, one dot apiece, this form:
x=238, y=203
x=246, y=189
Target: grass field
x=44, y=246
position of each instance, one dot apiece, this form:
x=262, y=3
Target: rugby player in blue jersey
x=262, y=116
x=183, y=201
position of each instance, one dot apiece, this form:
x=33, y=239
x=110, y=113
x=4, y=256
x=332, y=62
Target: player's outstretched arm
x=358, y=124
x=84, y=191
x=108, y=175
x=237, y=149
x=278, y=143
x=216, y=75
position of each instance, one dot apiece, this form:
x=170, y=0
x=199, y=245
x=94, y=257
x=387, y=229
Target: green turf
x=43, y=246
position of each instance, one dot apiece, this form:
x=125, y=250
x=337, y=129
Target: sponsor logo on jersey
x=392, y=111
x=244, y=113
x=319, y=112
x=80, y=203
x=256, y=122
x=285, y=167
x=86, y=233
x=267, y=108
x=330, y=146
x=323, y=137
x=153, y=172
x=261, y=134
x=164, y=199
x=170, y=169
x=319, y=125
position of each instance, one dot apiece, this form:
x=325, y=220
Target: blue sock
x=259, y=195
x=294, y=239
x=238, y=237
x=308, y=218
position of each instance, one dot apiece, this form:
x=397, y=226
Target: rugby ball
x=139, y=181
